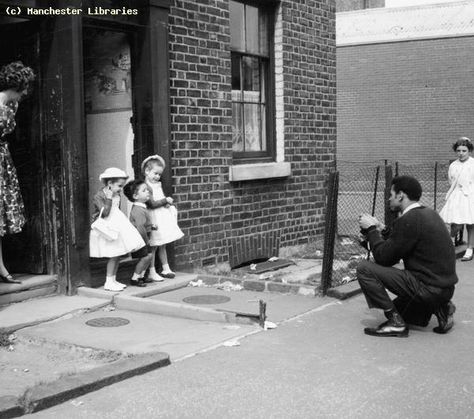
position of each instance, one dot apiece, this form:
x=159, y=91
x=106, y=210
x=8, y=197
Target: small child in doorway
x=163, y=215
x=107, y=206
x=137, y=192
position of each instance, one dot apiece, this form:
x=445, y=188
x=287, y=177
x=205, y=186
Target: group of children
x=151, y=225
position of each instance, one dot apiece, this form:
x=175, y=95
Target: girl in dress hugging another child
x=163, y=215
x=126, y=237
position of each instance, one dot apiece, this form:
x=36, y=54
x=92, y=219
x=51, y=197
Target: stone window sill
x=243, y=172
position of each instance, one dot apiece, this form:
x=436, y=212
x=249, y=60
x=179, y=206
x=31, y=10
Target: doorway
x=26, y=252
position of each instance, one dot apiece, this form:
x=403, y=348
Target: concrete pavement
x=317, y=365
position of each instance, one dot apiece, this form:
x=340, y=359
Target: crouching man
x=419, y=237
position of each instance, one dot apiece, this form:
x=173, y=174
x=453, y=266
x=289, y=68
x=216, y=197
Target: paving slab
x=144, y=333
x=279, y=307
x=27, y=313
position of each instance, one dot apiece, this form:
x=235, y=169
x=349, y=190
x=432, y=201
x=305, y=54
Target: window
x=252, y=100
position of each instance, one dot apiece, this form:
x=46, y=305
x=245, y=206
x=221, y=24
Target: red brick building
x=405, y=82
x=239, y=97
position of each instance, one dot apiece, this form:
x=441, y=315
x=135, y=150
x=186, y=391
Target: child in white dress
x=459, y=207
x=163, y=215
x=107, y=206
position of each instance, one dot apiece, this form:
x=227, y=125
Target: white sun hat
x=154, y=157
x=113, y=172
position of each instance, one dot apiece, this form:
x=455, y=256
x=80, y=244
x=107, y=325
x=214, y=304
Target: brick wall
x=406, y=101
x=212, y=209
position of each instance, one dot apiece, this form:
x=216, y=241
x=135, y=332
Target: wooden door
x=26, y=251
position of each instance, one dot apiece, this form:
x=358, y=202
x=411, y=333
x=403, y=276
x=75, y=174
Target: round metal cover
x=206, y=299
x=107, y=322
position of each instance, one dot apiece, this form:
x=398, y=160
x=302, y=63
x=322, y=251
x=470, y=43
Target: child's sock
x=166, y=268
x=153, y=270
x=142, y=274
x=135, y=276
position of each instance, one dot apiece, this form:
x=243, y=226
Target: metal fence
x=364, y=188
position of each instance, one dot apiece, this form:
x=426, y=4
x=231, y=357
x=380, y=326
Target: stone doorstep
x=43, y=396
x=180, y=281
x=32, y=286
x=260, y=285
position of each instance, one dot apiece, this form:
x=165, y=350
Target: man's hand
x=169, y=200
x=366, y=221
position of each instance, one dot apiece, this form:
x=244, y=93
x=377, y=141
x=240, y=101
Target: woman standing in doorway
x=459, y=207
x=15, y=79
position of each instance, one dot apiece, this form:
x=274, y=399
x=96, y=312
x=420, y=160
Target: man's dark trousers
x=415, y=300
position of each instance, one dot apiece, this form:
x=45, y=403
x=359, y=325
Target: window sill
x=242, y=172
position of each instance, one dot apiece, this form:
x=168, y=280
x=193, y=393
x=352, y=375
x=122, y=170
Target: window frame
x=269, y=155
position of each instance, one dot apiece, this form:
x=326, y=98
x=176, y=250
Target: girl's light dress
x=129, y=239
x=459, y=206
x=166, y=219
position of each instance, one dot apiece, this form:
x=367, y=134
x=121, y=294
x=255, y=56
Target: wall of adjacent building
x=407, y=101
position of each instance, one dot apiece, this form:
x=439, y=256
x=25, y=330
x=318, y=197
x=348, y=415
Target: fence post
x=435, y=184
x=329, y=231
x=388, y=216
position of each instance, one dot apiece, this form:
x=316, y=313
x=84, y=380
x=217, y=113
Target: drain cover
x=206, y=299
x=107, y=322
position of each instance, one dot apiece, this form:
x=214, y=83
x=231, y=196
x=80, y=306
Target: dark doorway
x=26, y=251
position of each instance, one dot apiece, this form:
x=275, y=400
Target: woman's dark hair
x=463, y=141
x=15, y=76
x=409, y=185
x=131, y=189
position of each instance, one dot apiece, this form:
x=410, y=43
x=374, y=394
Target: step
x=32, y=286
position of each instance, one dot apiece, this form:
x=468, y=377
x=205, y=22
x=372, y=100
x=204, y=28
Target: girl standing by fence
x=459, y=207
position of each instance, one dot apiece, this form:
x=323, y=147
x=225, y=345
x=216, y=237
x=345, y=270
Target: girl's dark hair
x=463, y=141
x=131, y=188
x=15, y=76
x=409, y=185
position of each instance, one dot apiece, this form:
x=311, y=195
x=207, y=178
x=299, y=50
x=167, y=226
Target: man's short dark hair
x=131, y=188
x=409, y=185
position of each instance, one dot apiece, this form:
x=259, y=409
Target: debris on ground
x=229, y=286
x=273, y=259
x=198, y=283
x=269, y=325
x=230, y=343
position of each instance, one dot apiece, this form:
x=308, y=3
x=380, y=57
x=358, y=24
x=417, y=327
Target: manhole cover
x=206, y=299
x=107, y=322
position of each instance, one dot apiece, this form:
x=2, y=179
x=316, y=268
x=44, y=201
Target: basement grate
x=206, y=299
x=107, y=322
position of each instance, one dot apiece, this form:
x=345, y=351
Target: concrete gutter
x=44, y=396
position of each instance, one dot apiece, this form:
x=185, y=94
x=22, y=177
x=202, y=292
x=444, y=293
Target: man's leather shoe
x=387, y=329
x=394, y=327
x=444, y=314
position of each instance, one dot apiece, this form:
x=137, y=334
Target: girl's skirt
x=129, y=239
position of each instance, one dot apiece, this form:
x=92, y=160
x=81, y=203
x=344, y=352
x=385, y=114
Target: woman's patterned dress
x=12, y=209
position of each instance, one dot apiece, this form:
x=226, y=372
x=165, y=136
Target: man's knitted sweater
x=421, y=239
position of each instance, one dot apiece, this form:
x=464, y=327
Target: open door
x=26, y=252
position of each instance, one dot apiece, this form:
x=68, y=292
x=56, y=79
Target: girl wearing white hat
x=112, y=235
x=163, y=214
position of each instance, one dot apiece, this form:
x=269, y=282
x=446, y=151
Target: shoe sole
x=403, y=334
x=449, y=322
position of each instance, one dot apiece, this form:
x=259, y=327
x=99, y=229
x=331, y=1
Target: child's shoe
x=110, y=285
x=137, y=283
x=155, y=277
x=120, y=284
x=168, y=274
